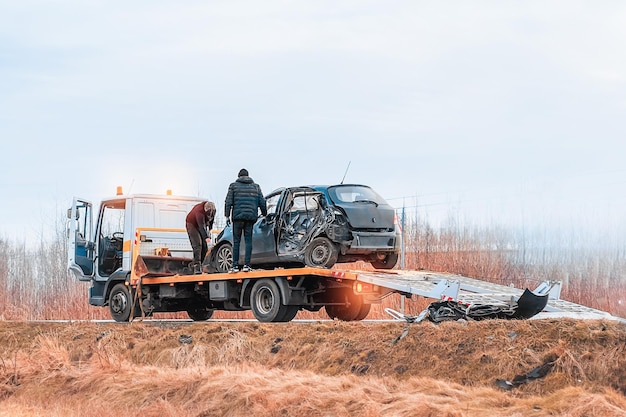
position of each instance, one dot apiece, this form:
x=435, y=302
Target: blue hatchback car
x=317, y=226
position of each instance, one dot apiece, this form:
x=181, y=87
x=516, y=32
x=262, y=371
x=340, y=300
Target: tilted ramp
x=470, y=291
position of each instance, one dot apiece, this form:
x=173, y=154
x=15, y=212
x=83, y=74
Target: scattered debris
x=185, y=339
x=360, y=369
x=538, y=372
x=276, y=346
x=101, y=336
x=402, y=335
x=527, y=306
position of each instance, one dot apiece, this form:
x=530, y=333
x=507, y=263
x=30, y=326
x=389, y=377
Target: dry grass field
x=312, y=369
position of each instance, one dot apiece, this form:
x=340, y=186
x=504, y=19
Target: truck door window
x=111, y=239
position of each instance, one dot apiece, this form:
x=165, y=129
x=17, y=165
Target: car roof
x=300, y=187
x=318, y=187
x=321, y=187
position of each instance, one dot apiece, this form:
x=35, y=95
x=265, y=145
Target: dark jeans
x=244, y=226
x=198, y=244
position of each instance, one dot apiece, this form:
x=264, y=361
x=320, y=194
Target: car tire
x=223, y=260
x=388, y=263
x=321, y=253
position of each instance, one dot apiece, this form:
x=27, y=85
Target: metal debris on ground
x=538, y=372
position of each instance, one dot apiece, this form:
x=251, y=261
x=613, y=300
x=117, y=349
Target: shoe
x=197, y=268
x=234, y=269
x=246, y=268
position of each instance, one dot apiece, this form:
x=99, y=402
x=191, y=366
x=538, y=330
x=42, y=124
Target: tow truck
x=136, y=256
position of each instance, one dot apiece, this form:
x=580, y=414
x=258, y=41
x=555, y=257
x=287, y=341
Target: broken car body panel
x=368, y=218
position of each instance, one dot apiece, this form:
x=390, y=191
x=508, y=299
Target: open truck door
x=80, y=240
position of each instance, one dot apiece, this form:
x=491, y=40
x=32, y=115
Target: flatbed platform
x=435, y=285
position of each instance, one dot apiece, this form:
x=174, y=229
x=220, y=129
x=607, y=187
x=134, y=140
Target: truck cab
x=101, y=252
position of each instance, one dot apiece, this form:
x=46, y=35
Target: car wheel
x=321, y=253
x=387, y=262
x=223, y=260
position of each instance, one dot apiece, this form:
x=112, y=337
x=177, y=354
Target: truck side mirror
x=69, y=214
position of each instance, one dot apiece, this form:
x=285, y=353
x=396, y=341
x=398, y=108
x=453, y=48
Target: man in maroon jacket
x=199, y=222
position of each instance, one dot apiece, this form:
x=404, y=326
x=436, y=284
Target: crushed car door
x=301, y=218
x=263, y=241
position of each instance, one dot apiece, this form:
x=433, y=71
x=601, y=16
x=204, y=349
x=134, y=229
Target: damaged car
x=317, y=226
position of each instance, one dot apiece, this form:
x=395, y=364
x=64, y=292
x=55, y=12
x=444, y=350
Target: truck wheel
x=387, y=262
x=321, y=253
x=363, y=312
x=353, y=310
x=120, y=302
x=289, y=313
x=199, y=313
x=265, y=302
x=224, y=258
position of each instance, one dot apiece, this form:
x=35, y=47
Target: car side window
x=272, y=204
x=304, y=203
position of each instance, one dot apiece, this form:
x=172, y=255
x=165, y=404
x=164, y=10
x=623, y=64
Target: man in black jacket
x=243, y=201
x=198, y=220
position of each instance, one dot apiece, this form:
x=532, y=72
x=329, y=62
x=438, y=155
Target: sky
x=488, y=112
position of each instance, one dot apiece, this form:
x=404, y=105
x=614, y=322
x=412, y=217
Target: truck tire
x=321, y=253
x=354, y=310
x=363, y=312
x=120, y=303
x=199, y=313
x=266, y=303
x=289, y=313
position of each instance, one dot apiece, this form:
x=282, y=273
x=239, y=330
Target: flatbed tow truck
x=373, y=286
x=138, y=264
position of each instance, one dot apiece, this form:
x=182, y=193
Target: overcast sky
x=500, y=111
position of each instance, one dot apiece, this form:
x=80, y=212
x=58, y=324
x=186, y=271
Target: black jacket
x=245, y=199
x=201, y=219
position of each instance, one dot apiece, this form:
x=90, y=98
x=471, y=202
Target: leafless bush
x=35, y=284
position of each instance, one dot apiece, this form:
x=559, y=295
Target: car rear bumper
x=368, y=242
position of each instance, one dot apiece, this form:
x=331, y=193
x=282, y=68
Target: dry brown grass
x=313, y=369
x=324, y=368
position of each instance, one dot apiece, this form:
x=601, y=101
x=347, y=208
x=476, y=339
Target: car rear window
x=352, y=193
